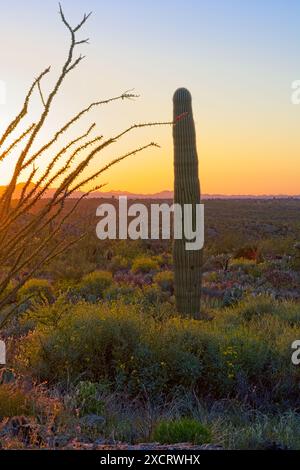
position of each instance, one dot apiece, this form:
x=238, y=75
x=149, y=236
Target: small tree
x=29, y=232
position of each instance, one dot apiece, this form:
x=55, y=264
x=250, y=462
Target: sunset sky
x=237, y=57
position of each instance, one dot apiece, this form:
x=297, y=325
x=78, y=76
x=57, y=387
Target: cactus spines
x=187, y=264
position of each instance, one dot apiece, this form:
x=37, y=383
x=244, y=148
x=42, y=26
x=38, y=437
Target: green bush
x=48, y=315
x=244, y=352
x=256, y=307
x=113, y=342
x=97, y=340
x=37, y=289
x=13, y=402
x=87, y=399
x=165, y=280
x=119, y=263
x=180, y=431
x=144, y=265
x=125, y=292
x=93, y=285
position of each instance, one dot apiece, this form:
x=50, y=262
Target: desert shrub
x=165, y=280
x=94, y=340
x=259, y=431
x=232, y=296
x=128, y=250
x=151, y=295
x=137, y=280
x=248, y=266
x=248, y=251
x=211, y=276
x=46, y=314
x=181, y=430
x=281, y=279
x=119, y=263
x=17, y=399
x=93, y=285
x=253, y=307
x=114, y=342
x=276, y=246
x=244, y=352
x=87, y=398
x=35, y=291
x=144, y=265
x=125, y=292
x=13, y=402
x=71, y=266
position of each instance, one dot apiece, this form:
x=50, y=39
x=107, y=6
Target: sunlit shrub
x=151, y=295
x=13, y=402
x=35, y=291
x=48, y=315
x=253, y=307
x=92, y=339
x=93, y=285
x=125, y=292
x=248, y=251
x=181, y=430
x=137, y=280
x=17, y=400
x=211, y=276
x=232, y=296
x=119, y=263
x=87, y=398
x=244, y=352
x=144, y=265
x=276, y=246
x=165, y=280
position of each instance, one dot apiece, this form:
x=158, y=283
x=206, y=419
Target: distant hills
x=166, y=194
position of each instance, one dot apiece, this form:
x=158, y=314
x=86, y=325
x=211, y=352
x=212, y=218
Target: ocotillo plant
x=187, y=264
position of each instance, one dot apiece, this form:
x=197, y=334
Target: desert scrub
x=248, y=266
x=123, y=291
x=87, y=398
x=93, y=285
x=257, y=431
x=262, y=306
x=48, y=315
x=144, y=265
x=119, y=263
x=165, y=280
x=151, y=295
x=245, y=351
x=17, y=400
x=181, y=430
x=13, y=402
x=110, y=342
x=97, y=340
x=36, y=290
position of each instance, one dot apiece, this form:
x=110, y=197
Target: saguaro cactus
x=187, y=264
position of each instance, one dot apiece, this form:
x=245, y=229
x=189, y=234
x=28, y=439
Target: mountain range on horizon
x=164, y=194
